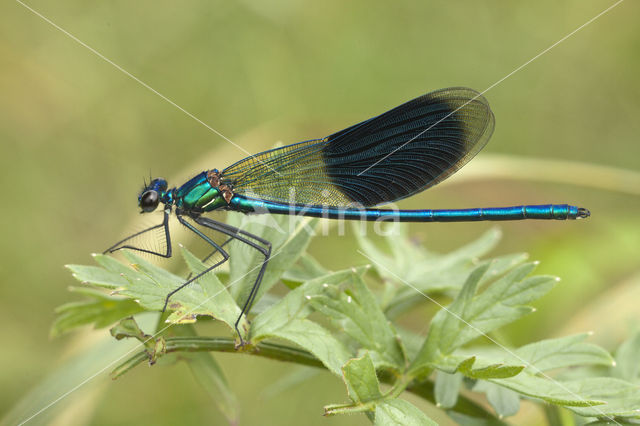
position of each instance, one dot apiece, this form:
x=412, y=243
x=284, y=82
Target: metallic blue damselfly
x=345, y=175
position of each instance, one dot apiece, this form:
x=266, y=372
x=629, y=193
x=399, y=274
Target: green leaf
x=622, y=398
x=357, y=312
x=413, y=267
x=476, y=367
x=471, y=315
x=505, y=301
x=506, y=402
x=447, y=387
x=215, y=300
x=589, y=397
x=408, y=297
x=364, y=390
x=307, y=268
x=608, y=422
x=444, y=328
x=143, y=281
x=540, y=356
x=494, y=371
x=287, y=320
x=398, y=412
x=129, y=328
x=627, y=356
x=552, y=391
x=289, y=237
x=487, y=296
x=95, y=275
x=562, y=352
x=149, y=286
x=100, y=309
x=360, y=377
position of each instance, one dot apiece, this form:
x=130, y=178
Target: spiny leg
x=205, y=220
x=235, y=233
x=228, y=240
x=267, y=243
x=207, y=257
x=214, y=251
x=225, y=256
x=167, y=237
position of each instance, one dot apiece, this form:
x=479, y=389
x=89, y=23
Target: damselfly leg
x=225, y=257
x=239, y=234
x=233, y=233
x=167, y=236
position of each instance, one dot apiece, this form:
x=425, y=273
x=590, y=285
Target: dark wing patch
x=386, y=158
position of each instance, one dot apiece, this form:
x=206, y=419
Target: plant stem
x=424, y=389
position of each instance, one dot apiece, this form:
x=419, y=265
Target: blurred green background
x=78, y=136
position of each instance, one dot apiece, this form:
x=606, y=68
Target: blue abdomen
x=546, y=211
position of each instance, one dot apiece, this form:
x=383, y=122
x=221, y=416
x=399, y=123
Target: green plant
x=346, y=322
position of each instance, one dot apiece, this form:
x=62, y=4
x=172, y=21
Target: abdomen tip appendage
x=583, y=213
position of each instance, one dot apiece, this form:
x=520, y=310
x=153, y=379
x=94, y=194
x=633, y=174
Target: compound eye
x=149, y=201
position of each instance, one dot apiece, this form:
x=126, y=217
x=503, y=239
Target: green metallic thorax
x=198, y=195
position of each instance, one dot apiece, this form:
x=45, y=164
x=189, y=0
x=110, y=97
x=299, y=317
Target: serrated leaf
x=444, y=328
x=296, y=304
x=562, y=352
x=149, y=285
x=357, y=312
x=476, y=367
x=97, y=276
x=407, y=297
x=471, y=315
x=315, y=339
x=100, y=309
x=287, y=320
x=398, y=412
x=505, y=301
x=589, y=397
x=493, y=371
x=289, y=237
x=622, y=398
x=215, y=299
x=426, y=271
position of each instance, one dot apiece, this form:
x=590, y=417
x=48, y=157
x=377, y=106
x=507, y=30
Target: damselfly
x=345, y=175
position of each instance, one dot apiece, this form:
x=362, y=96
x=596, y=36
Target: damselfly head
x=152, y=194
